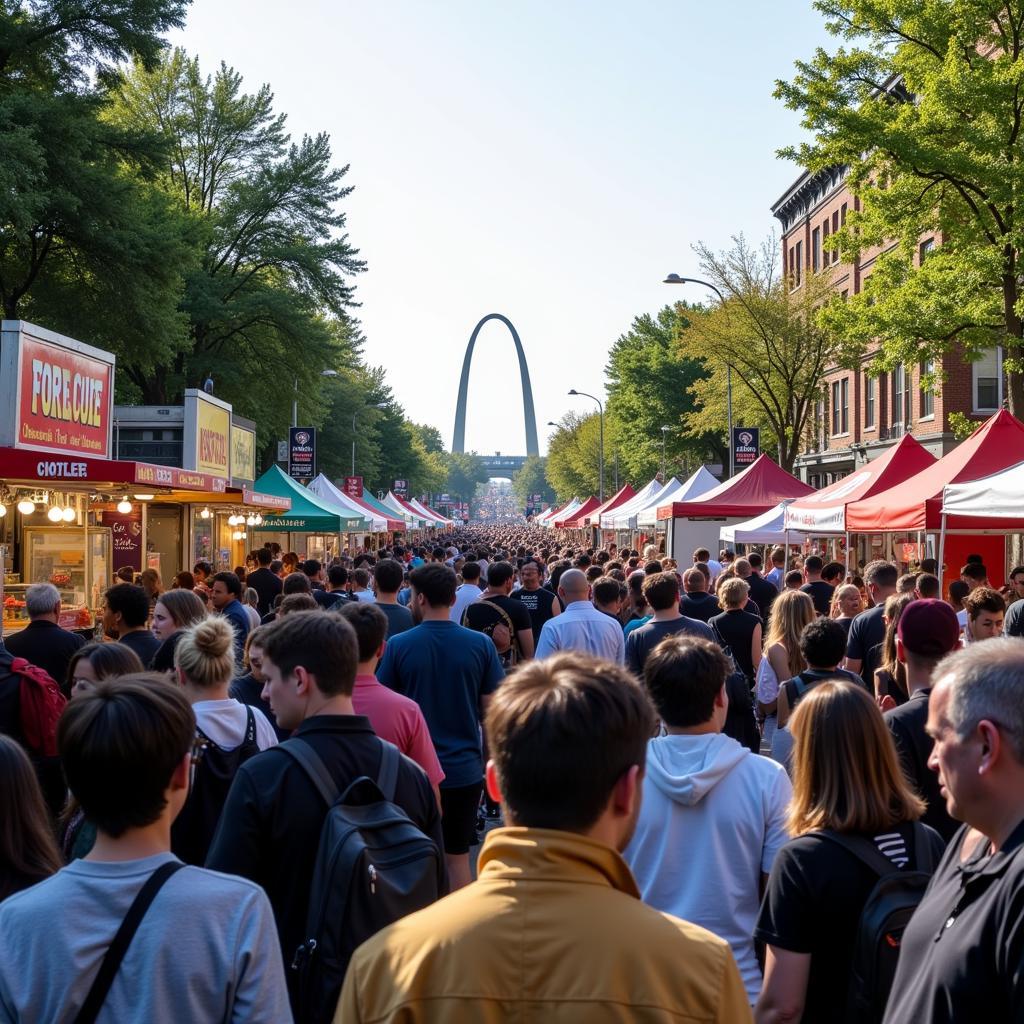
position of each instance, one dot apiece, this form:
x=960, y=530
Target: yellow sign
x=243, y=453
x=213, y=433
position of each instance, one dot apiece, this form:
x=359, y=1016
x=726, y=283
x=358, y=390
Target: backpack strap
x=863, y=849
x=250, y=725
x=387, y=774
x=122, y=940
x=506, y=620
x=924, y=853
x=309, y=760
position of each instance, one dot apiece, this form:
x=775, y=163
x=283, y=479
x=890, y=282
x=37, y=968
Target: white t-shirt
x=712, y=820
x=224, y=722
x=464, y=597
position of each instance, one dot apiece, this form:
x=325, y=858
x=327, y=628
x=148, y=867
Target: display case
x=74, y=613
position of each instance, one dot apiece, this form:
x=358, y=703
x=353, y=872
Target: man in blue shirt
x=225, y=596
x=450, y=671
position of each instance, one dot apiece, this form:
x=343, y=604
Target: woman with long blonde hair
x=891, y=674
x=791, y=611
x=853, y=817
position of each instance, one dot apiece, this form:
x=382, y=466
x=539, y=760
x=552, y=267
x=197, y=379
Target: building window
x=987, y=381
x=835, y=407
x=869, y=402
x=835, y=228
x=827, y=256
x=815, y=250
x=899, y=395
x=792, y=267
x=927, y=389
x=924, y=249
x=842, y=215
x=799, y=261
x=844, y=398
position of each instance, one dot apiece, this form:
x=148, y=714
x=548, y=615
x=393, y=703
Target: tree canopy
x=924, y=103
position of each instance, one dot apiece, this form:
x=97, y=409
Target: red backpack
x=42, y=704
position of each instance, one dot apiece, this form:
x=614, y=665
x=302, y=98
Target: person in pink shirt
x=394, y=717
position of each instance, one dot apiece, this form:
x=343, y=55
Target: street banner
x=401, y=488
x=353, y=486
x=746, y=446
x=302, y=453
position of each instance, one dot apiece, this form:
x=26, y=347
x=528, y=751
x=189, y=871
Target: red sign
x=354, y=486
x=65, y=400
x=126, y=529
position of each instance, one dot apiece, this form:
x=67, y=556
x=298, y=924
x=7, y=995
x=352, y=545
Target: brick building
x=860, y=415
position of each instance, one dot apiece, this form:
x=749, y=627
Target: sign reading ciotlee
x=56, y=393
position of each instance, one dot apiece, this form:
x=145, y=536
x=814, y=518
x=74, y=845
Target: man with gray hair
x=962, y=954
x=580, y=627
x=43, y=642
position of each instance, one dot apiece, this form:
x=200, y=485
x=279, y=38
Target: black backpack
x=193, y=829
x=372, y=867
x=882, y=921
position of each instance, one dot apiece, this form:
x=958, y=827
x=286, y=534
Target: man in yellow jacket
x=553, y=928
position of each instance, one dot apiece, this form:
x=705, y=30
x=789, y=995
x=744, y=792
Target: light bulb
x=26, y=506
x=144, y=497
x=54, y=514
x=205, y=514
x=69, y=514
x=124, y=506
x=236, y=535
x=3, y=511
x=250, y=520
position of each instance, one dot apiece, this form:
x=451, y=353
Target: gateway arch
x=459, y=440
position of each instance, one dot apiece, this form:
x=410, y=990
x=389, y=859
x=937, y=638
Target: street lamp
x=600, y=406
x=379, y=405
x=676, y=279
x=295, y=395
x=664, y=431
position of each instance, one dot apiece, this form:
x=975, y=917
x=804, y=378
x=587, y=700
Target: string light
x=26, y=506
x=205, y=514
x=124, y=506
x=69, y=514
x=55, y=514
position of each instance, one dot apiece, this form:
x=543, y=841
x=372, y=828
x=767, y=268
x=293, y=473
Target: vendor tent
x=309, y=513
x=999, y=496
x=396, y=523
x=624, y=517
x=824, y=512
x=767, y=528
x=916, y=503
x=761, y=486
x=322, y=487
x=697, y=483
x=619, y=498
x=432, y=517
x=577, y=515
x=548, y=517
x=393, y=502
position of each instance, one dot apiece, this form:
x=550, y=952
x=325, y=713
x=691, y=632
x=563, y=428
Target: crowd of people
x=507, y=776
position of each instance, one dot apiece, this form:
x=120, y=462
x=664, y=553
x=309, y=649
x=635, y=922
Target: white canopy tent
x=624, y=517
x=414, y=519
x=323, y=488
x=693, y=486
x=1000, y=495
x=431, y=517
x=563, y=513
x=767, y=528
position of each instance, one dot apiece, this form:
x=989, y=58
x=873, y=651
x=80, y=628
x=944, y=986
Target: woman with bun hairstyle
x=228, y=732
x=173, y=613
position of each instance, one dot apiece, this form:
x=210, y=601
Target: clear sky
x=550, y=160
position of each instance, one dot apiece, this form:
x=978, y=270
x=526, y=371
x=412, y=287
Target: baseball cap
x=929, y=628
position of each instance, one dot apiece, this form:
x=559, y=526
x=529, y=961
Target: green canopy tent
x=309, y=512
x=386, y=510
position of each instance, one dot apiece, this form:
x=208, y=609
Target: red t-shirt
x=398, y=720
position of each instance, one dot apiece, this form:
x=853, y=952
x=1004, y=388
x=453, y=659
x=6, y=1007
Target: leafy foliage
x=573, y=462
x=465, y=472
x=924, y=103
x=531, y=479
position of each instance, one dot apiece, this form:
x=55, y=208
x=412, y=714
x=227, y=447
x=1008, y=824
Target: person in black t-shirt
x=868, y=629
x=817, y=888
x=738, y=629
x=541, y=603
x=498, y=615
x=267, y=584
x=697, y=602
x=820, y=591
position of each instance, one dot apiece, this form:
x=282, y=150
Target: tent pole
x=942, y=546
x=849, y=571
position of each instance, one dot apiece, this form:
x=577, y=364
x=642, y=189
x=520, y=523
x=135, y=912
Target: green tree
x=924, y=104
x=770, y=338
x=531, y=479
x=573, y=460
x=86, y=246
x=275, y=263
x=465, y=472
x=649, y=383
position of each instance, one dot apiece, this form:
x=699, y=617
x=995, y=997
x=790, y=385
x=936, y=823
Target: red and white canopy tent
x=425, y=510
x=544, y=518
x=577, y=515
x=619, y=498
x=915, y=505
x=823, y=514
x=697, y=522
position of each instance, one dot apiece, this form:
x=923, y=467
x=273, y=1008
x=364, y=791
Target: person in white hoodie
x=713, y=814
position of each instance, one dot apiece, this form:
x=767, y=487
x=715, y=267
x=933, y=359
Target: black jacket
x=763, y=594
x=270, y=829
x=47, y=646
x=267, y=585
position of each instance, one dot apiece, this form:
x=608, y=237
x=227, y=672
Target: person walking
x=580, y=627
x=43, y=642
x=267, y=584
x=541, y=603
x=553, y=928
x=175, y=612
x=662, y=593
x=782, y=660
x=387, y=581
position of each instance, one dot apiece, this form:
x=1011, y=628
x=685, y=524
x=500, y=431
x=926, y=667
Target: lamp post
x=600, y=406
x=378, y=405
x=295, y=395
x=664, y=432
x=676, y=279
